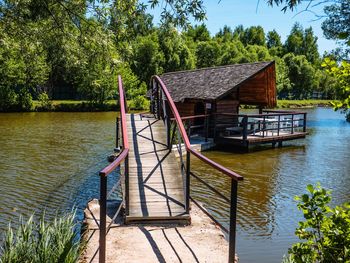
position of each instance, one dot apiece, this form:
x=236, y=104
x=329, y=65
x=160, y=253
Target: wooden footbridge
x=155, y=184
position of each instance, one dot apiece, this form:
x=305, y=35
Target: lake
x=50, y=161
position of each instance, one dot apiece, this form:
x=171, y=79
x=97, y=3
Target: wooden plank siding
x=260, y=89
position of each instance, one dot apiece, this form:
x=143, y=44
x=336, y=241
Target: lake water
x=50, y=161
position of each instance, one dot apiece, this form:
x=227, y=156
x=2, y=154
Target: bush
x=44, y=102
x=24, y=100
x=42, y=242
x=8, y=98
x=325, y=230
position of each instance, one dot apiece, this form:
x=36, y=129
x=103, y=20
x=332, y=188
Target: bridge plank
x=155, y=180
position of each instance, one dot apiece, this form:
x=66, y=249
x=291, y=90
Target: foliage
x=24, y=100
x=337, y=24
x=44, y=101
x=342, y=74
x=325, y=230
x=54, y=241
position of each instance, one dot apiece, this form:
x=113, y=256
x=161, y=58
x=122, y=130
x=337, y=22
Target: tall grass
x=42, y=242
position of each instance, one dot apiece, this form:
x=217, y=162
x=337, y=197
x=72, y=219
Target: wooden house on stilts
x=209, y=100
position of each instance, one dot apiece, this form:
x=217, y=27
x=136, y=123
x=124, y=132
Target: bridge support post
x=126, y=164
x=103, y=212
x=233, y=218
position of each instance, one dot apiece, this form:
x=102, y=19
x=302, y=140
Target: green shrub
x=42, y=242
x=325, y=230
x=24, y=100
x=8, y=98
x=44, y=102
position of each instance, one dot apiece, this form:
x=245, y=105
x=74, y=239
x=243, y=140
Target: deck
x=156, y=189
x=258, y=138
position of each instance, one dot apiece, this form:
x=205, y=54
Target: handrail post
x=292, y=124
x=188, y=184
x=206, y=128
x=126, y=164
x=103, y=212
x=279, y=125
x=245, y=127
x=117, y=133
x=233, y=218
x=304, y=123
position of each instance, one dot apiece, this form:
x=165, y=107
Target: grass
x=54, y=241
x=84, y=105
x=303, y=103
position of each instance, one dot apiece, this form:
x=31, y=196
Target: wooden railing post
x=103, y=212
x=292, y=124
x=304, y=123
x=279, y=125
x=245, y=127
x=233, y=219
x=188, y=184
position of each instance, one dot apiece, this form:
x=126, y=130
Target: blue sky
x=247, y=13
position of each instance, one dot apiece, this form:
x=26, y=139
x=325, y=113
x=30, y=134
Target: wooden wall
x=185, y=108
x=227, y=106
x=260, y=89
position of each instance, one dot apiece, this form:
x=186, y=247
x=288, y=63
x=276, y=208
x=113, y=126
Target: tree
x=337, y=24
x=254, y=35
x=310, y=47
x=273, y=39
x=294, y=42
x=147, y=58
x=225, y=34
x=342, y=74
x=198, y=33
x=301, y=74
x=208, y=54
x=177, y=56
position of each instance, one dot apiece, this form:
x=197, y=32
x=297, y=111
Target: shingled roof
x=209, y=83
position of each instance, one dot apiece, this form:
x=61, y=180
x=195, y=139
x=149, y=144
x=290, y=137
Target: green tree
x=337, y=24
x=342, y=74
x=301, y=74
x=254, y=35
x=147, y=58
x=198, y=33
x=208, y=54
x=225, y=34
x=310, y=47
x=177, y=56
x=294, y=42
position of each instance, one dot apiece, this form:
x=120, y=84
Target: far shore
x=111, y=105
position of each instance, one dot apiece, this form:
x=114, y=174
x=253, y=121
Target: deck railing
x=269, y=123
x=122, y=157
x=164, y=108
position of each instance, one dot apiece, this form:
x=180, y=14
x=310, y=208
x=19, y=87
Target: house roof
x=209, y=83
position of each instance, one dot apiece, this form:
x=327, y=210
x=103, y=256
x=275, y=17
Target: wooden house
x=222, y=89
x=208, y=100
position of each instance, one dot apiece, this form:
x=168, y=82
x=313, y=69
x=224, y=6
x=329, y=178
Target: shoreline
x=111, y=105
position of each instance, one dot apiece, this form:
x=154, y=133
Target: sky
x=255, y=12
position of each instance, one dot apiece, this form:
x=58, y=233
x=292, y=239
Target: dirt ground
x=201, y=241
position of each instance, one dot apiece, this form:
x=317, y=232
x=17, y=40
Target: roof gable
x=209, y=83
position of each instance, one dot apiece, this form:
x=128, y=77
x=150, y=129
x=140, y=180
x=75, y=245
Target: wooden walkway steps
x=156, y=189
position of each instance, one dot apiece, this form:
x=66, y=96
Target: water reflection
x=267, y=213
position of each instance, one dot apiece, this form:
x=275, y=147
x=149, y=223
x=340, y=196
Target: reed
x=41, y=242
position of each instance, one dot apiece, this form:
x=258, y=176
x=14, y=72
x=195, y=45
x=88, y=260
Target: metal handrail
x=155, y=81
x=186, y=140
x=122, y=157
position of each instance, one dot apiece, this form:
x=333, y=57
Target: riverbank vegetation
x=39, y=242
x=325, y=231
x=54, y=50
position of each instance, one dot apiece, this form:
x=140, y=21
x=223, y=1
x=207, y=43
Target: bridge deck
x=156, y=189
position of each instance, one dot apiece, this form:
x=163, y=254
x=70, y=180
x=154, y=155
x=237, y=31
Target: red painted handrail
x=184, y=136
x=121, y=157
